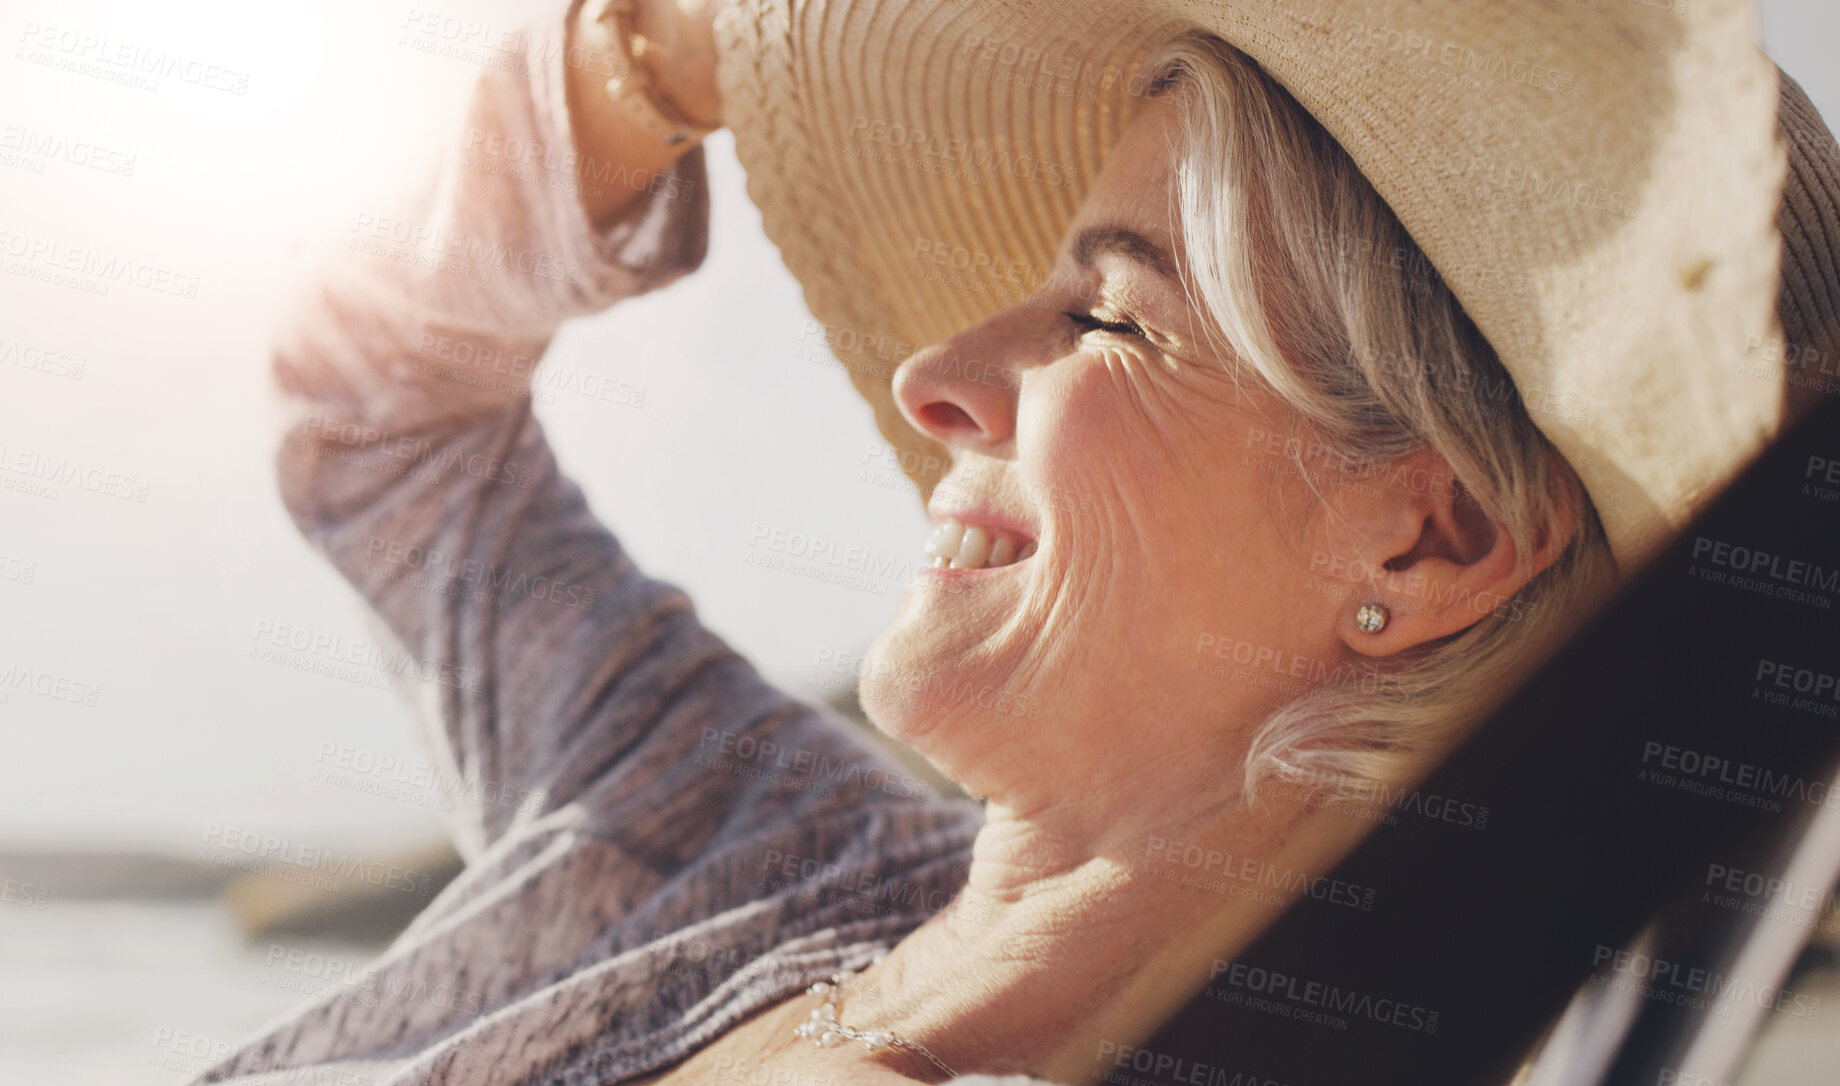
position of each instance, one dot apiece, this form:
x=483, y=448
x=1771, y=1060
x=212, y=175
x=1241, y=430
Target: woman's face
x=1100, y=435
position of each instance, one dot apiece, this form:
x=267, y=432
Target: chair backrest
x=1647, y=788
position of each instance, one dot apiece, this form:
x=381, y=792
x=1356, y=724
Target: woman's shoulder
x=562, y=946
x=874, y=855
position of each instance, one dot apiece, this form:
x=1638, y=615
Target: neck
x=1074, y=930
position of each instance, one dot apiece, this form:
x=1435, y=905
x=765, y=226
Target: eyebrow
x=1126, y=243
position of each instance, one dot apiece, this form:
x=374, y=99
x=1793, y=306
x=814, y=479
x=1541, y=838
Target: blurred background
x=188, y=702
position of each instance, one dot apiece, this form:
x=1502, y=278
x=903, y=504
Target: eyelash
x=1086, y=322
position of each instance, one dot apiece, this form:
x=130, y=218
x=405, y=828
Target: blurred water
x=116, y=993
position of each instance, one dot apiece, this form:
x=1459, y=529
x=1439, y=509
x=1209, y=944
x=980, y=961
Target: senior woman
x=1217, y=422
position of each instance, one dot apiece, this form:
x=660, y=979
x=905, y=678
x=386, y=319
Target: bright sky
x=142, y=598
x=152, y=601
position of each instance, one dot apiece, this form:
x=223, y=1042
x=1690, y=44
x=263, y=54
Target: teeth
x=955, y=545
x=972, y=549
x=945, y=540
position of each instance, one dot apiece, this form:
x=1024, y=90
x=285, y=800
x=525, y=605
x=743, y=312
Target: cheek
x=1084, y=439
x=1159, y=516
x=1157, y=469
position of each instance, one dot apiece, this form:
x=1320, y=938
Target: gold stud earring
x=1371, y=618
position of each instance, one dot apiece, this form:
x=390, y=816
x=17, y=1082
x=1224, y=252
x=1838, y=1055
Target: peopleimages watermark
x=840, y=670
x=1763, y=571
x=1800, y=688
x=1401, y=265
x=817, y=558
x=1772, y=897
x=113, y=60
x=857, y=890
x=188, y=1052
x=1314, y=1001
x=1049, y=499
x=876, y=353
x=27, y=895
x=956, y=158
x=184, y=1050
x=1821, y=478
x=1524, y=186
x=819, y=771
x=1496, y=392
x=445, y=250
x=88, y=270
x=367, y=771
x=1470, y=68
x=892, y=469
x=1056, y=68
x=1677, y=7
x=741, y=1071
x=317, y=975
x=1415, y=592
x=445, y=573
x=1693, y=986
x=1163, y=1068
x=1775, y=359
x=1383, y=801
x=491, y=369
x=47, y=684
x=13, y=568
x=40, y=359
x=708, y=959
x=41, y=475
x=462, y=36
x=1248, y=656
x=1717, y=776
x=1249, y=877
x=343, y=441
x=353, y=660
x=26, y=148
x=308, y=865
x=979, y=262
x=561, y=167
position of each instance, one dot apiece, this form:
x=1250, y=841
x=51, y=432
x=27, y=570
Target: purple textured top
x=689, y=843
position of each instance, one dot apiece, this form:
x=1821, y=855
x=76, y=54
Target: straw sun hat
x=1600, y=182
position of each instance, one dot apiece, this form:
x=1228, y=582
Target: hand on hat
x=683, y=61
x=680, y=61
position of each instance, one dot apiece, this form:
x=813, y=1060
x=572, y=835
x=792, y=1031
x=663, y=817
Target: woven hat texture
x=1600, y=182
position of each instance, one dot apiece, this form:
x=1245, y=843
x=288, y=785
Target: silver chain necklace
x=824, y=1030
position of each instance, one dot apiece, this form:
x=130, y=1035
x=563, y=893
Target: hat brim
x=1597, y=184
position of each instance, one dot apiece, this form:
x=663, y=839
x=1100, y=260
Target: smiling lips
x=956, y=545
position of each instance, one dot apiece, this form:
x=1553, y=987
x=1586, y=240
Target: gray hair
x=1320, y=296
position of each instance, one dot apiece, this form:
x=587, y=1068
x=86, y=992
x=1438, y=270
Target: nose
x=962, y=391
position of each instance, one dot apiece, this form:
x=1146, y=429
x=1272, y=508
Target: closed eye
x=1086, y=322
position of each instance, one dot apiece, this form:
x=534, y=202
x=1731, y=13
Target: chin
x=898, y=678
x=941, y=690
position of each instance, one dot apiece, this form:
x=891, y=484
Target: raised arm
x=547, y=669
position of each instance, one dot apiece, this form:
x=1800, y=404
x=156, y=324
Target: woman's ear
x=1430, y=556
